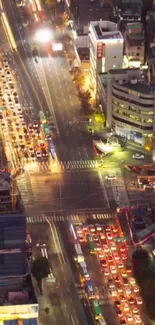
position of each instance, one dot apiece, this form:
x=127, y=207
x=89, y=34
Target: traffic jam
x=107, y=244
x=28, y=141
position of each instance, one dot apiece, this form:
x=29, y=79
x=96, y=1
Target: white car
x=138, y=156
x=110, y=177
x=38, y=154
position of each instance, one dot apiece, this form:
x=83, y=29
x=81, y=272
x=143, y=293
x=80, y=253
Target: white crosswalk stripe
x=69, y=165
x=58, y=218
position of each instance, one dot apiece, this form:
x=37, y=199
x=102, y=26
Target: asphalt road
x=62, y=192
x=63, y=291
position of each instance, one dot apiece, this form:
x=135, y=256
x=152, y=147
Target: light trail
x=7, y=29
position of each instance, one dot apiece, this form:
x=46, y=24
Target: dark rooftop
x=87, y=11
x=134, y=39
x=13, y=264
x=139, y=87
x=122, y=71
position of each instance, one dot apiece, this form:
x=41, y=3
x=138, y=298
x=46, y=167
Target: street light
x=43, y=35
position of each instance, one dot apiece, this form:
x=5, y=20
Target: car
x=135, y=289
x=117, y=279
x=135, y=310
x=38, y=154
x=26, y=155
x=116, y=256
x=128, y=291
x=114, y=229
x=99, y=228
x=109, y=235
x=137, y=319
x=106, y=248
x=102, y=235
x=139, y=300
x=119, y=313
x=32, y=156
x=79, y=230
x=35, y=124
x=132, y=280
x=117, y=303
x=107, y=229
x=132, y=301
x=95, y=239
x=120, y=265
x=44, y=153
x=101, y=255
x=106, y=272
x=123, y=256
x=126, y=307
x=119, y=288
x=22, y=146
x=81, y=239
x=110, y=177
x=104, y=263
x=129, y=318
x=113, y=247
x=112, y=269
x=110, y=259
x=123, y=299
x=98, y=247
x=124, y=274
x=138, y=156
x=92, y=229
x=123, y=322
x=123, y=248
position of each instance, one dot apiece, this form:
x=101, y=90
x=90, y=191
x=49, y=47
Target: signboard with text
x=100, y=50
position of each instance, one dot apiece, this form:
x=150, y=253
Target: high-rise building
x=106, y=47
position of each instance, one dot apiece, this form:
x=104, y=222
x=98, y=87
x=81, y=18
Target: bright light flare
x=57, y=47
x=43, y=36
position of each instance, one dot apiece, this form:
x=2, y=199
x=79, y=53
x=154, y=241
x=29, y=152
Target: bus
x=79, y=254
x=101, y=321
x=96, y=309
x=90, y=289
x=78, y=249
x=84, y=270
x=92, y=245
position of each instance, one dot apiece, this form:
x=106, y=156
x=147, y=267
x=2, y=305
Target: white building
x=106, y=48
x=130, y=105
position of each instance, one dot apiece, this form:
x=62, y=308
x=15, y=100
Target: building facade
x=134, y=44
x=106, y=48
x=130, y=104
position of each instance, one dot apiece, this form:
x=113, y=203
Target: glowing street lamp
x=43, y=35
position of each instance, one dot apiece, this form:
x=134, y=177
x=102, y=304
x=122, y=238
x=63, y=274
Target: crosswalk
x=57, y=166
x=118, y=188
x=74, y=218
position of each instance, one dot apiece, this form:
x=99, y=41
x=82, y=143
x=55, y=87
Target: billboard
x=100, y=50
x=32, y=310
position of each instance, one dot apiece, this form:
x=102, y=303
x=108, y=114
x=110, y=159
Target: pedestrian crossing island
x=73, y=218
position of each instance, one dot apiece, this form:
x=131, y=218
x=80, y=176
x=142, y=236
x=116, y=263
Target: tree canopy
x=144, y=273
x=40, y=268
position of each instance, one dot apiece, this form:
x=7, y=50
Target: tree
x=140, y=262
x=47, y=310
x=144, y=272
x=40, y=269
